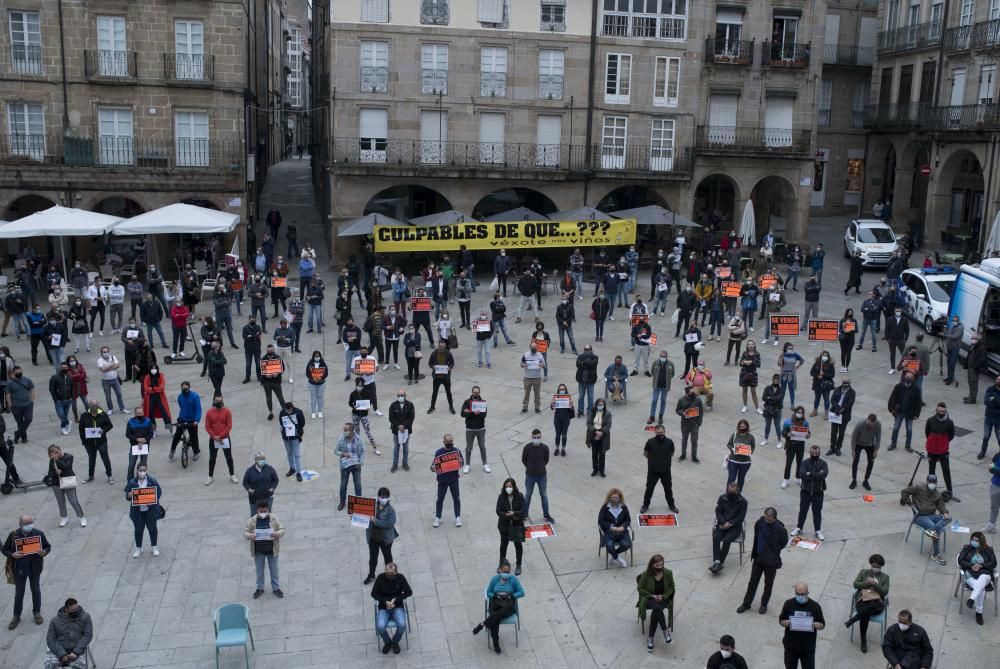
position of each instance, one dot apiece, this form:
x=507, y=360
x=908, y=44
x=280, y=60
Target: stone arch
x=629, y=196
x=958, y=200
x=25, y=205
x=718, y=194
x=117, y=205
x=404, y=202
x=506, y=199
x=776, y=206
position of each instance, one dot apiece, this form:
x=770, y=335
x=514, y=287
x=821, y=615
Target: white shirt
x=108, y=372
x=116, y=294
x=368, y=378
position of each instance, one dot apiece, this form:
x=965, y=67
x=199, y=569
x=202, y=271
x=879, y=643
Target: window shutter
x=491, y=11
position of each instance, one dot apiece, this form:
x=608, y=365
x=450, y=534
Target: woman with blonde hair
x=615, y=521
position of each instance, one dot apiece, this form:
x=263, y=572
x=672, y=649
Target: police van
x=975, y=299
x=928, y=293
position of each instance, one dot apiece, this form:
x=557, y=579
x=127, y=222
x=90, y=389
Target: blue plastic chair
x=391, y=624
x=232, y=628
x=513, y=619
x=878, y=619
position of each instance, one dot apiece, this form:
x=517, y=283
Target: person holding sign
x=350, y=450
x=352, y=346
x=822, y=373
x=730, y=514
x=802, y=618
x=284, y=340
x=775, y=303
x=264, y=532
x=316, y=375
x=841, y=404
x=271, y=369
x=691, y=410
x=380, y=533
x=533, y=364
x=441, y=362
x=741, y=446
x=62, y=479
x=365, y=365
x=27, y=547
x=795, y=432
x=483, y=328
x=143, y=493
x=562, y=406
x=401, y=416
x=641, y=334
x=446, y=466
x=474, y=412
x=848, y=328
x=541, y=339
x=292, y=422
x=55, y=336
x=692, y=348
x=94, y=428
x=656, y=593
x=360, y=404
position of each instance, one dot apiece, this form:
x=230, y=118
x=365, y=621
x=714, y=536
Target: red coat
x=159, y=389
x=79, y=376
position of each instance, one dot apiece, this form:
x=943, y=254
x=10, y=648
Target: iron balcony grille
x=785, y=54
x=918, y=36
x=732, y=139
x=109, y=64
x=723, y=51
x=185, y=67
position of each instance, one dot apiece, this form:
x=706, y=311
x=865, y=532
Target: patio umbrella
x=443, y=218
x=748, y=225
x=366, y=225
x=518, y=214
x=581, y=214
x=993, y=241
x=179, y=218
x=60, y=222
x=654, y=214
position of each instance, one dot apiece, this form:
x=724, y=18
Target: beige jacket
x=277, y=531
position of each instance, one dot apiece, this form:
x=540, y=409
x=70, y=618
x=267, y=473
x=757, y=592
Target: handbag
x=495, y=284
x=593, y=316
x=869, y=595
x=67, y=482
x=452, y=340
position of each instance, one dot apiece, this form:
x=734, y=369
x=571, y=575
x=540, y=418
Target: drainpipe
x=588, y=149
x=62, y=56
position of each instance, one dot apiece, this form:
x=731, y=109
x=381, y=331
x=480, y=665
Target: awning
x=366, y=225
x=581, y=214
x=654, y=214
x=518, y=214
x=178, y=218
x=443, y=218
x=59, y=222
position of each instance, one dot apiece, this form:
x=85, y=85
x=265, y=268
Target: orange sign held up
x=785, y=325
x=236, y=284
x=742, y=449
x=724, y=272
x=657, y=520
x=364, y=366
x=824, y=330
x=279, y=282
x=652, y=339
x=420, y=304
x=768, y=281
x=542, y=345
x=271, y=366
x=639, y=318
x=143, y=496
x=448, y=462
x=850, y=326
x=28, y=545
x=731, y=288
x=692, y=412
x=362, y=506
x=911, y=365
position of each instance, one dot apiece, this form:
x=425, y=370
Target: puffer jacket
x=69, y=634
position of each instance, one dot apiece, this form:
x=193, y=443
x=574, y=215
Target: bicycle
x=185, y=442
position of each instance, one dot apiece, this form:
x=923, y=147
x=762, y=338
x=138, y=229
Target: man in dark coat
x=28, y=563
x=854, y=279
x=769, y=538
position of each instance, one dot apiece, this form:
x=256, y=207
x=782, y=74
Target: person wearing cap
x=931, y=512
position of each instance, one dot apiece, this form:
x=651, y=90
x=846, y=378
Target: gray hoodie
x=69, y=635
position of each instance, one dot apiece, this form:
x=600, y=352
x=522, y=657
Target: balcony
x=957, y=39
x=756, y=142
x=986, y=35
x=26, y=59
x=722, y=51
x=788, y=55
x=847, y=55
x=104, y=64
x=425, y=157
x=110, y=152
x=871, y=5
x=921, y=116
x=902, y=116
x=921, y=36
x=184, y=68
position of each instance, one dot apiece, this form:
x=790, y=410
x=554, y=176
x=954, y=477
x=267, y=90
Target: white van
x=975, y=299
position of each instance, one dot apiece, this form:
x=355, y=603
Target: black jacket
x=601, y=308
x=61, y=387
x=498, y=309
x=687, y=402
x=565, y=314
x=989, y=558
x=812, y=291
x=526, y=285
x=401, y=416
x=296, y=417
x=773, y=398
x=813, y=474
x=842, y=401
x=504, y=522
x=260, y=484
x=386, y=588
x=586, y=368
x=897, y=331
x=906, y=400
x=89, y=420
x=731, y=511
x=910, y=649
x=606, y=521
x=65, y=466
x=29, y=564
x=770, y=553
x=473, y=421
x=251, y=337
x=151, y=311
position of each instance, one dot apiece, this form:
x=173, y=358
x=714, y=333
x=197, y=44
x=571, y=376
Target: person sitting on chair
x=931, y=513
x=614, y=521
x=615, y=378
x=730, y=512
x=390, y=590
x=977, y=562
x=503, y=592
x=871, y=587
x=70, y=634
x=656, y=593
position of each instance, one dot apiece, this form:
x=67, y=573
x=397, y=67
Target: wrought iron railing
x=26, y=59
x=723, y=51
x=918, y=36
x=121, y=152
x=785, y=54
x=759, y=140
x=108, y=64
x=986, y=34
x=848, y=55
x=958, y=38
x=186, y=67
x=918, y=115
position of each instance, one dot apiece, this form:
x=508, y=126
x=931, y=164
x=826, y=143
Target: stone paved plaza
x=156, y=612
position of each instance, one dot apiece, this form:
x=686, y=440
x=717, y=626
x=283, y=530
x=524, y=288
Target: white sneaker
x=234, y=479
x=378, y=413
x=396, y=365
x=486, y=468
x=465, y=469
x=764, y=340
x=611, y=318
x=775, y=342
x=458, y=521
x=156, y=551
x=83, y=522
x=291, y=380
x=760, y=411
x=819, y=535
x=100, y=333
x=989, y=528
x=137, y=552
x=794, y=533
x=63, y=521
x=843, y=370
x=892, y=371
x=744, y=409
x=752, y=330
x=784, y=483
x=319, y=414
x=209, y=480
x=312, y=415
x=437, y=522
x=622, y=561
x=764, y=443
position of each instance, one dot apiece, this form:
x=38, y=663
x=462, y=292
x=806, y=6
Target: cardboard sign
x=911, y=365
x=441, y=370
x=542, y=345
x=652, y=339
x=768, y=281
x=362, y=405
x=798, y=433
x=742, y=449
x=143, y=496
x=785, y=325
x=808, y=544
x=236, y=284
x=850, y=326
x=639, y=318
x=543, y=531
x=448, y=462
x=481, y=326
x=92, y=433
x=55, y=340
x=360, y=506
x=271, y=366
x=477, y=406
x=692, y=412
x=315, y=373
x=868, y=499
x=131, y=334
x=562, y=402
x=823, y=330
x=289, y=317
x=279, y=282
x=724, y=272
x=364, y=366
x=140, y=449
x=836, y=418
x=691, y=337
x=224, y=443
x=420, y=304
x=731, y=288
x=263, y=534
x=28, y=545
x=657, y=520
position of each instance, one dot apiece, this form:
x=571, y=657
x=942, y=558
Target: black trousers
x=129, y=362
x=373, y=549
x=392, y=351
x=932, y=462
x=92, y=451
x=814, y=500
x=372, y=394
x=837, y=433
x=846, y=350
x=733, y=343
x=192, y=430
x=690, y=361
x=597, y=454
x=654, y=611
x=800, y=658
x=216, y=383
x=895, y=346
x=864, y=611
x=689, y=429
x=721, y=539
x=502, y=283
x=213, y=453
x=756, y=571
x=683, y=318
x=20, y=583
x=793, y=451
x=499, y=609
x=463, y=310
x=652, y=478
x=273, y=388
x=870, y=452
x=518, y=547
x=413, y=369
x=438, y=382
x=252, y=356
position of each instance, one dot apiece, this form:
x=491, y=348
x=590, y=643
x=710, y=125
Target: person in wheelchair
x=978, y=562
x=615, y=379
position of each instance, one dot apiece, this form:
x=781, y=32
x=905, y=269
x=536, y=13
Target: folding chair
x=391, y=624
x=742, y=540
x=624, y=392
x=880, y=618
x=607, y=558
x=513, y=619
x=232, y=628
x=963, y=586
x=208, y=286
x=906, y=539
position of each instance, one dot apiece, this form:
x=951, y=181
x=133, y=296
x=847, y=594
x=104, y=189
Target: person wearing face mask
x=991, y=422
x=109, y=365
x=251, y=335
x=188, y=416
x=822, y=373
x=380, y=533
x=841, y=403
x=772, y=399
x=401, y=416
x=658, y=451
x=534, y=365
x=662, y=372
x=144, y=516
x=464, y=289
x=978, y=563
x=769, y=539
x=475, y=428
x=686, y=304
x=738, y=463
x=871, y=588
x=526, y=287
x=788, y=363
x=350, y=452
x=61, y=391
x=219, y=425
x=26, y=567
x=447, y=479
x=215, y=359
x=502, y=266
x=535, y=458
x=154, y=397
x=502, y=593
x=292, y=424
x=135, y=290
x=867, y=436
x=601, y=309
x=615, y=523
x=795, y=431
x=897, y=331
x=139, y=430
x=78, y=375
x=953, y=346
x=794, y=257
x=848, y=329
x=561, y=419
x=730, y=513
x=94, y=428
x=260, y=480
x=393, y=325
x=931, y=513
x=70, y=634
x=940, y=431
x=565, y=315
x=656, y=594
x=812, y=473
x=737, y=333
x=55, y=336
x=390, y=592
x=800, y=645
x=151, y=313
x=62, y=479
x=906, y=645
x=58, y=301
x=264, y=532
x=726, y=657
x=905, y=402
x=36, y=328
x=598, y=438
x=316, y=375
x=510, y=522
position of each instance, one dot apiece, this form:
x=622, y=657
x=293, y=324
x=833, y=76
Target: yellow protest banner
x=506, y=235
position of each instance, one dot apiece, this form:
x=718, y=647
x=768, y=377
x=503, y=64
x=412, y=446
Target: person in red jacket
x=179, y=315
x=218, y=424
x=154, y=397
x=940, y=430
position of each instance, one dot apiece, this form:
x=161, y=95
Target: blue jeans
x=354, y=472
x=792, y=280
x=293, y=451
x=398, y=616
x=315, y=310
x=661, y=302
x=20, y=324
x=737, y=472
x=577, y=282
x=439, y=304
x=395, y=450
x=866, y=324
x=661, y=394
x=825, y=394
x=772, y=420
x=62, y=410
x=632, y=275
x=990, y=426
x=622, y=298
x=788, y=383
x=622, y=539
x=562, y=344
x=501, y=326
x=599, y=326
x=529, y=485
x=225, y=320
x=150, y=327
x=587, y=390
x=349, y=360
x=116, y=386
x=272, y=563
x=818, y=273
x=932, y=521
x=316, y=397
x=715, y=324
x=57, y=353
x=895, y=430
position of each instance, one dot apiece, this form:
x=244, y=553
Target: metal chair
x=513, y=619
x=208, y=286
x=742, y=540
x=232, y=629
x=963, y=586
x=607, y=558
x=880, y=618
x=624, y=392
x=391, y=624
x=906, y=539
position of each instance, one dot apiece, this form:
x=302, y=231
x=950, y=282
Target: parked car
x=873, y=238
x=928, y=293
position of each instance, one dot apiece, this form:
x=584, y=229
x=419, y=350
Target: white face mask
x=825, y=358
x=726, y=654
x=509, y=490
x=383, y=500
x=932, y=486
x=903, y=627
x=263, y=516
x=536, y=442
x=401, y=399
x=142, y=475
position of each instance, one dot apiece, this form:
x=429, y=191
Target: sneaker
x=156, y=551
x=63, y=521
x=319, y=414
x=83, y=522
x=649, y=644
x=843, y=370
x=233, y=479
x=312, y=415
x=989, y=528
x=931, y=534
x=279, y=594
x=378, y=413
x=939, y=559
x=209, y=480
x=744, y=409
x=437, y=522
x=396, y=365
x=465, y=469
x=764, y=443
x=486, y=468
x=891, y=372
x=775, y=342
x=819, y=535
x=716, y=567
x=458, y=521
x=794, y=533
x=784, y=483
x=667, y=637
x=111, y=479
x=137, y=552
x=620, y=560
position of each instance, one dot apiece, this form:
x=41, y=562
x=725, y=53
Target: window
x=994, y=10
x=987, y=75
x=617, y=78
x=722, y=118
x=433, y=137
x=613, y=136
x=189, y=44
x=375, y=67
x=937, y=12
x=649, y=19
x=965, y=15
x=434, y=12
x=25, y=43
x=294, y=79
x=26, y=129
x=434, y=69
x=666, y=81
x=373, y=132
x=491, y=137
x=114, y=126
x=551, y=66
x=191, y=138
x=548, y=139
x=553, y=15
x=825, y=103
x=784, y=30
x=858, y=102
x=778, y=122
x=728, y=31
x=494, y=13
x=112, y=58
x=661, y=145
x=493, y=72
x=892, y=15
x=375, y=11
